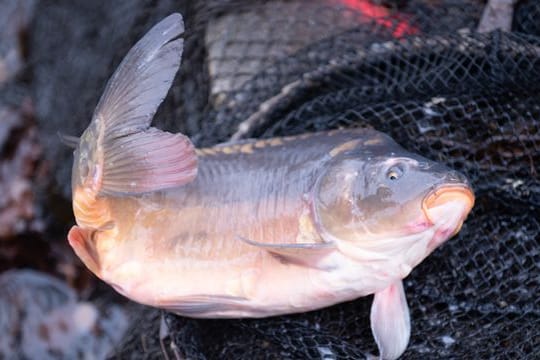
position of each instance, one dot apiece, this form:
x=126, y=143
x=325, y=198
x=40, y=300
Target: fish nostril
x=456, y=177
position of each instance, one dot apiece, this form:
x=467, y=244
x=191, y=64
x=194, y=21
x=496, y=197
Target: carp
x=253, y=228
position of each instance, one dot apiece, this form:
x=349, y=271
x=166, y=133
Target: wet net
x=416, y=70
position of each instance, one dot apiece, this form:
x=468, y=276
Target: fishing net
x=416, y=70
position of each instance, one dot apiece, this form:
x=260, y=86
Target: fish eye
x=395, y=173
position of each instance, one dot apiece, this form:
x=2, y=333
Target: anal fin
x=205, y=305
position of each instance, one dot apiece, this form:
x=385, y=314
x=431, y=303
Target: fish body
x=254, y=228
x=191, y=239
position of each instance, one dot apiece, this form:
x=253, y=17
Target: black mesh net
x=416, y=70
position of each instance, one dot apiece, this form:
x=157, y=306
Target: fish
x=252, y=228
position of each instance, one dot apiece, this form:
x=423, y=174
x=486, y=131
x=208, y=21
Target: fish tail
x=82, y=242
x=137, y=158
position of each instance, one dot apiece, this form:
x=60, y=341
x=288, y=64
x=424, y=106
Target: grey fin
x=390, y=321
x=204, y=305
x=147, y=161
x=137, y=158
x=307, y=254
x=68, y=140
x=141, y=81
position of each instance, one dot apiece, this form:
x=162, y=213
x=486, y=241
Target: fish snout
x=453, y=197
x=455, y=177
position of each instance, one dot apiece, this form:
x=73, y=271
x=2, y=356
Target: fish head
x=382, y=202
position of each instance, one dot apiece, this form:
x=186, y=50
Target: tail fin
x=137, y=158
x=82, y=242
x=68, y=140
x=142, y=80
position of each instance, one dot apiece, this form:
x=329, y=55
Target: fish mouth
x=460, y=195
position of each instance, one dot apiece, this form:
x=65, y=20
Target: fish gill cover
x=416, y=70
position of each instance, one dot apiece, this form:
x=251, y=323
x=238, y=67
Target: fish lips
x=437, y=203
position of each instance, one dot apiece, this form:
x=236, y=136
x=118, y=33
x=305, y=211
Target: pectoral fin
x=390, y=321
x=308, y=254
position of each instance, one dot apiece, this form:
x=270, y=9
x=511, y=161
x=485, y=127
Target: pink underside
x=417, y=226
x=440, y=236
